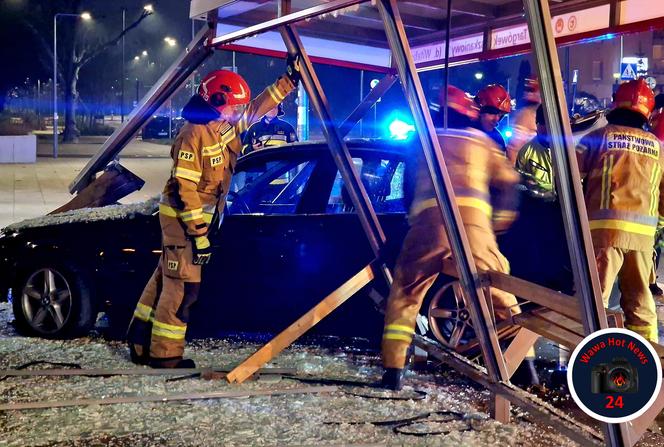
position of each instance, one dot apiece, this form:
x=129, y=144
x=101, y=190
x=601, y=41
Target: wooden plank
x=302, y=325
x=518, y=349
x=61, y=372
x=555, y=328
x=500, y=409
x=638, y=426
x=164, y=398
x=561, y=303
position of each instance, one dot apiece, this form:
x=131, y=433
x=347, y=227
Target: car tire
x=53, y=301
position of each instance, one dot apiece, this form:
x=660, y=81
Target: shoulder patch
x=186, y=156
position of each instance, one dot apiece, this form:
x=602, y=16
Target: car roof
x=355, y=146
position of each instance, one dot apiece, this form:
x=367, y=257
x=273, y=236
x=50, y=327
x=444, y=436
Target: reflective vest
x=482, y=178
x=204, y=158
x=622, y=171
x=534, y=165
x=275, y=132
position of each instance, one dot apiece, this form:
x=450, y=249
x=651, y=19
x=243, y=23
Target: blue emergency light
x=400, y=129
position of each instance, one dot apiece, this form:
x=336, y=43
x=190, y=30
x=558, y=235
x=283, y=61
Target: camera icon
x=618, y=376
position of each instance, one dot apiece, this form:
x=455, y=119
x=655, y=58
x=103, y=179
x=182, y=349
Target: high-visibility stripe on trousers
x=632, y=269
x=418, y=266
x=161, y=315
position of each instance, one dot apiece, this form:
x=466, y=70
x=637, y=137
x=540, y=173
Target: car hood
x=110, y=212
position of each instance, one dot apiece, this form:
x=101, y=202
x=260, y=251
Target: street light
x=137, y=58
x=84, y=16
x=148, y=8
x=479, y=75
x=170, y=41
x=144, y=53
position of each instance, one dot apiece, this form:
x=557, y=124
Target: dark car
x=157, y=128
x=289, y=237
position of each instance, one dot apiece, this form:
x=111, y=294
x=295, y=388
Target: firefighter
x=474, y=163
x=204, y=156
x=622, y=167
x=269, y=131
x=657, y=128
x=494, y=103
x=524, y=125
x=540, y=219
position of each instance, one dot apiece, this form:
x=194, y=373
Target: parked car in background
x=157, y=127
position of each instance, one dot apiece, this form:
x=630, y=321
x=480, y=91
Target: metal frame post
x=456, y=233
x=55, y=86
x=568, y=181
x=175, y=76
x=338, y=149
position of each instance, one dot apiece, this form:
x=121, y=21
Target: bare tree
x=80, y=46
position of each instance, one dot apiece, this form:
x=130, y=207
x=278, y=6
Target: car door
x=254, y=281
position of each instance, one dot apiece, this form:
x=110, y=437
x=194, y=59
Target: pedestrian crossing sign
x=627, y=71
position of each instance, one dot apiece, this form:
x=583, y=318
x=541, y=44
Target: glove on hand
x=202, y=250
x=293, y=68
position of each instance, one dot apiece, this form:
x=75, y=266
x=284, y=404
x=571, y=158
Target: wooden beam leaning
x=302, y=325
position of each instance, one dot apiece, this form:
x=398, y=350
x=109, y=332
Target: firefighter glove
x=202, y=250
x=293, y=68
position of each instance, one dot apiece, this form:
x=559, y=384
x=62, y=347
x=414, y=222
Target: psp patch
x=173, y=265
x=214, y=161
x=186, y=156
x=614, y=375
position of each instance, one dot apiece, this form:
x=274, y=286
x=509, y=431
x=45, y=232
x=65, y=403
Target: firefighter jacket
x=476, y=166
x=204, y=158
x=534, y=164
x=267, y=133
x=622, y=171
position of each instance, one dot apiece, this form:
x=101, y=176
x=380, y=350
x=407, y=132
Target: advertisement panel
x=460, y=47
x=638, y=10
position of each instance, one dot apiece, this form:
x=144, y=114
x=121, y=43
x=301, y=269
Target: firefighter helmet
x=657, y=124
x=635, y=96
x=531, y=90
x=460, y=102
x=223, y=88
x=494, y=97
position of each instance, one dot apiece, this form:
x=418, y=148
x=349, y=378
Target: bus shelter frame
x=499, y=365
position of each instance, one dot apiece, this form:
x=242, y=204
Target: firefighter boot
x=526, y=374
x=392, y=379
x=172, y=362
x=139, y=358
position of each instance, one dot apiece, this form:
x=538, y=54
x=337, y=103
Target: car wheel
x=449, y=319
x=52, y=302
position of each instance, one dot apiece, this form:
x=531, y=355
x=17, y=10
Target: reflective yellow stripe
x=186, y=216
x=648, y=332
x=167, y=210
x=168, y=330
x=622, y=225
x=144, y=313
x=605, y=200
x=504, y=215
x=212, y=152
x=274, y=92
x=474, y=202
x=213, y=147
x=400, y=337
x=227, y=137
x=188, y=174
x=400, y=327
x=207, y=217
x=654, y=196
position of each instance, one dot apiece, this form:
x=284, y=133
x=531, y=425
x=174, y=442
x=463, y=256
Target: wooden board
x=302, y=325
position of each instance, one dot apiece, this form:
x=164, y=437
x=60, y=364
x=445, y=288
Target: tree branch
x=91, y=54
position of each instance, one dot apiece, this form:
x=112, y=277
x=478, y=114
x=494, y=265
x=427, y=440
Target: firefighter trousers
x=632, y=269
x=160, y=319
x=419, y=264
